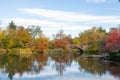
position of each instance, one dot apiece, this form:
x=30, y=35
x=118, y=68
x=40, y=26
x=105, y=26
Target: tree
x=15, y=38
x=10, y=35
x=113, y=40
x=92, y=38
x=76, y=40
x=41, y=43
x=61, y=40
x=34, y=30
x=2, y=37
x=51, y=44
x=8, y=42
x=23, y=37
x=12, y=25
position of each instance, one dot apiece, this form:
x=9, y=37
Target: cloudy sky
x=72, y=16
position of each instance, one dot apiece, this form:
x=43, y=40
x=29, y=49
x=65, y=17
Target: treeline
x=19, y=37
x=95, y=39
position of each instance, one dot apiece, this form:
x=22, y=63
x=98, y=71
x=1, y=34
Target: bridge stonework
x=74, y=46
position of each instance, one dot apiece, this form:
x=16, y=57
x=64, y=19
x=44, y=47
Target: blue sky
x=73, y=16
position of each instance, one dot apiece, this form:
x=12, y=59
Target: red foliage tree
x=113, y=40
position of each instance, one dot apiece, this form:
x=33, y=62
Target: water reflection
x=94, y=66
x=14, y=64
x=39, y=62
x=56, y=67
x=61, y=62
x=114, y=69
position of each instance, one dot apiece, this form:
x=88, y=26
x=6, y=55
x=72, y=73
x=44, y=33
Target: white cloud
x=48, y=27
x=109, y=21
x=55, y=20
x=67, y=16
x=96, y=1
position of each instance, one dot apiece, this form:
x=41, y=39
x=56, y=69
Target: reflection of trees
x=93, y=66
x=61, y=61
x=40, y=62
x=114, y=69
x=14, y=64
x=5, y=62
x=10, y=76
x=60, y=67
x=2, y=62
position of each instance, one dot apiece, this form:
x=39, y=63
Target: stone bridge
x=77, y=46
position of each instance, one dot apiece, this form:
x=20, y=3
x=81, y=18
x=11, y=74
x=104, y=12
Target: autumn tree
x=2, y=37
x=61, y=40
x=113, y=40
x=76, y=40
x=23, y=37
x=41, y=43
x=10, y=35
x=14, y=36
x=8, y=42
x=51, y=44
x=34, y=31
x=92, y=38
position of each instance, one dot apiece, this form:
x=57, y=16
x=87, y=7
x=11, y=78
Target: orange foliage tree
x=41, y=43
x=61, y=40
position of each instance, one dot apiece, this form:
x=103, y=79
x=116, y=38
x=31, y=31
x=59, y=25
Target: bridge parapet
x=73, y=46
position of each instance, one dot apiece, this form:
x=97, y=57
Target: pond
x=65, y=67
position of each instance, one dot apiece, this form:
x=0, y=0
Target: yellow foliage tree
x=92, y=38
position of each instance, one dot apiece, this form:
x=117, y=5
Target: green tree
x=12, y=25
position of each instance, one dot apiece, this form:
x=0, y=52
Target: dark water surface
x=42, y=67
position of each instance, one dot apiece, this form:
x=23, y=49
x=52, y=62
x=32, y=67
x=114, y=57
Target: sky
x=71, y=16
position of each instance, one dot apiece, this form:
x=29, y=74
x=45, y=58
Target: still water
x=42, y=67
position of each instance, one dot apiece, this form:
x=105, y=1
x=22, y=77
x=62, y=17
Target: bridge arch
x=76, y=46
